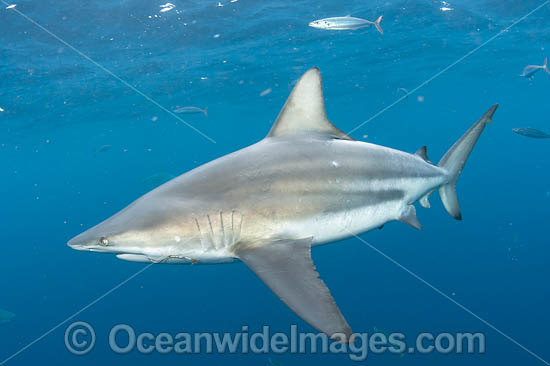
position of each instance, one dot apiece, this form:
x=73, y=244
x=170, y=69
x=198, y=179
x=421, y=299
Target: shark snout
x=90, y=240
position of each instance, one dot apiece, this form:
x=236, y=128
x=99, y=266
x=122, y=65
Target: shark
x=305, y=184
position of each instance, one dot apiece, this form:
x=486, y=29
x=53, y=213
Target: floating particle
x=204, y=77
x=219, y=5
x=365, y=136
x=47, y=141
x=420, y=98
x=266, y=92
x=149, y=150
x=154, y=119
x=217, y=35
x=1, y=109
x=445, y=9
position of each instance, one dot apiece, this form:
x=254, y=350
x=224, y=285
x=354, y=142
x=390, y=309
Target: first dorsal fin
x=304, y=111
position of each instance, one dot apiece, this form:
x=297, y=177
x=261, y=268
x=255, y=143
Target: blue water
x=56, y=180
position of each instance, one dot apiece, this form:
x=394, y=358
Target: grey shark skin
x=305, y=184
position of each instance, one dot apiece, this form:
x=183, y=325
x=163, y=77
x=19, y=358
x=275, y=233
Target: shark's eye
x=103, y=241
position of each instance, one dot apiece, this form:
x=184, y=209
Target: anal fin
x=425, y=200
x=286, y=267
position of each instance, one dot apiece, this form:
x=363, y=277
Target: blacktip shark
x=307, y=183
x=345, y=23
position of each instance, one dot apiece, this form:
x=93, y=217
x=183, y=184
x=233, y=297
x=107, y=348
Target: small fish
x=157, y=179
x=404, y=91
x=166, y=7
x=11, y=6
x=531, y=70
x=103, y=148
x=265, y=92
x=345, y=23
x=531, y=132
x=192, y=110
x=272, y=362
x=6, y=316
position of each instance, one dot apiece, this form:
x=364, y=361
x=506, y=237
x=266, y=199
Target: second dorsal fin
x=304, y=111
x=423, y=153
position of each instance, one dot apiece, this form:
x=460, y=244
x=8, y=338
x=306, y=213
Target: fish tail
x=377, y=24
x=545, y=65
x=205, y=111
x=453, y=162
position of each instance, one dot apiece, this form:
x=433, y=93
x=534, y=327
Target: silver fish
x=531, y=70
x=345, y=23
x=531, y=132
x=157, y=179
x=305, y=184
x=404, y=91
x=103, y=148
x=192, y=110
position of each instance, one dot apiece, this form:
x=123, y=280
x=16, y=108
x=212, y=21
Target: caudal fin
x=377, y=24
x=453, y=162
x=205, y=111
x=545, y=65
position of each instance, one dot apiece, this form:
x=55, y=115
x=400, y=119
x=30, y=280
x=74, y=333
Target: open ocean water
x=78, y=145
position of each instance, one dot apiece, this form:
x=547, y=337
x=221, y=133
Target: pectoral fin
x=286, y=267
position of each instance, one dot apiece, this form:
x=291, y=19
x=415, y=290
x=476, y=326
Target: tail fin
x=545, y=65
x=205, y=111
x=453, y=162
x=377, y=24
